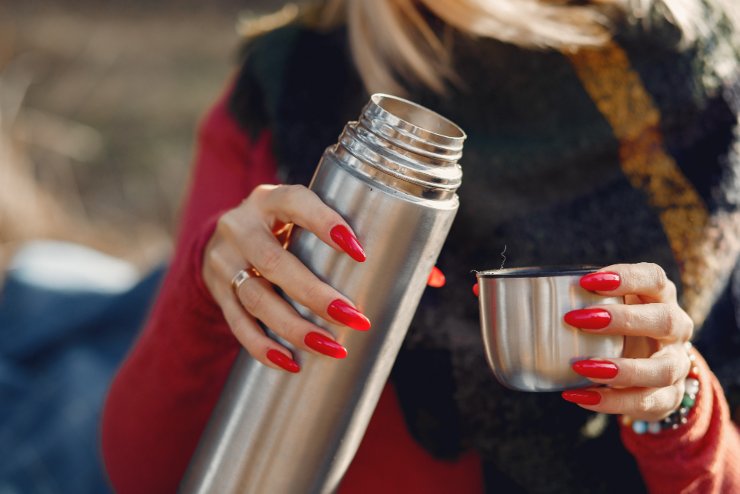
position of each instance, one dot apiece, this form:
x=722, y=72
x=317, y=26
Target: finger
x=664, y=322
x=260, y=300
x=282, y=268
x=665, y=368
x=300, y=205
x=648, y=404
x=647, y=280
x=253, y=339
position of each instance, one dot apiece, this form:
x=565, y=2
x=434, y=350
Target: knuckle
x=252, y=296
x=688, y=324
x=296, y=189
x=255, y=348
x=671, y=290
x=312, y=292
x=262, y=190
x=668, y=326
x=229, y=225
x=225, y=222
x=670, y=322
x=645, y=403
x=669, y=373
x=258, y=195
x=291, y=192
x=212, y=258
x=245, y=334
x=328, y=218
x=630, y=320
x=270, y=260
x=660, y=278
x=293, y=328
x=241, y=327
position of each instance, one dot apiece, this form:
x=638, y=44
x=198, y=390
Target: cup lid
x=538, y=271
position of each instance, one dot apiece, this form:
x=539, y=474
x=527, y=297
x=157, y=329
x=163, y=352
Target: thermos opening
x=418, y=116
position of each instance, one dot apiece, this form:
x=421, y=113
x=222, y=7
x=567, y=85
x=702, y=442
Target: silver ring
x=239, y=279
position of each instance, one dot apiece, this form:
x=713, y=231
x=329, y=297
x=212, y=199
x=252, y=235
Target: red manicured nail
x=601, y=282
x=281, y=360
x=348, y=315
x=436, y=278
x=588, y=318
x=597, y=369
x=581, y=396
x=348, y=242
x=476, y=290
x=322, y=344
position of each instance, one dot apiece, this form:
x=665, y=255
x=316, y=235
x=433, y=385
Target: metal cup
x=528, y=344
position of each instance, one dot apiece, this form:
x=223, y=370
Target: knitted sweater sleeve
x=701, y=457
x=161, y=398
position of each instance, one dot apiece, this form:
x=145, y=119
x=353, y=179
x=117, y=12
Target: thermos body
x=394, y=180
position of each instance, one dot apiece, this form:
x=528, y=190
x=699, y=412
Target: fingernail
x=281, y=360
x=322, y=344
x=597, y=369
x=581, y=396
x=601, y=282
x=588, y=318
x=476, y=290
x=348, y=242
x=436, y=278
x=348, y=315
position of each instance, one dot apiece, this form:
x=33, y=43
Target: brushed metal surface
x=528, y=345
x=274, y=432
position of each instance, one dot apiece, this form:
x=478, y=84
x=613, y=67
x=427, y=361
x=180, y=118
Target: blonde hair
x=391, y=40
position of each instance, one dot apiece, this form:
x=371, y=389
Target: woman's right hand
x=246, y=238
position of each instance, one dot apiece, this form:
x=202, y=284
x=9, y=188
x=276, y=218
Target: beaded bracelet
x=678, y=417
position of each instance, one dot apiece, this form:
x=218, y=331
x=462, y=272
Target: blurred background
x=99, y=105
x=99, y=102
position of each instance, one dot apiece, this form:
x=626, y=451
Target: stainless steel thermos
x=393, y=176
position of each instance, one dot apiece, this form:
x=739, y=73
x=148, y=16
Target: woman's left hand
x=647, y=383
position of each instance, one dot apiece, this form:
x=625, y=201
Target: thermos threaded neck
x=407, y=142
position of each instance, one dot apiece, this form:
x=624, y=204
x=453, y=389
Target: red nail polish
x=601, y=282
x=349, y=316
x=281, y=360
x=436, y=278
x=348, y=242
x=588, y=318
x=582, y=396
x=476, y=290
x=322, y=344
x=597, y=369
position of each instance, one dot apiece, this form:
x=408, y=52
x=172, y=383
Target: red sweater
x=163, y=394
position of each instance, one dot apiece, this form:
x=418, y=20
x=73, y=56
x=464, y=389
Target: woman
x=598, y=133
